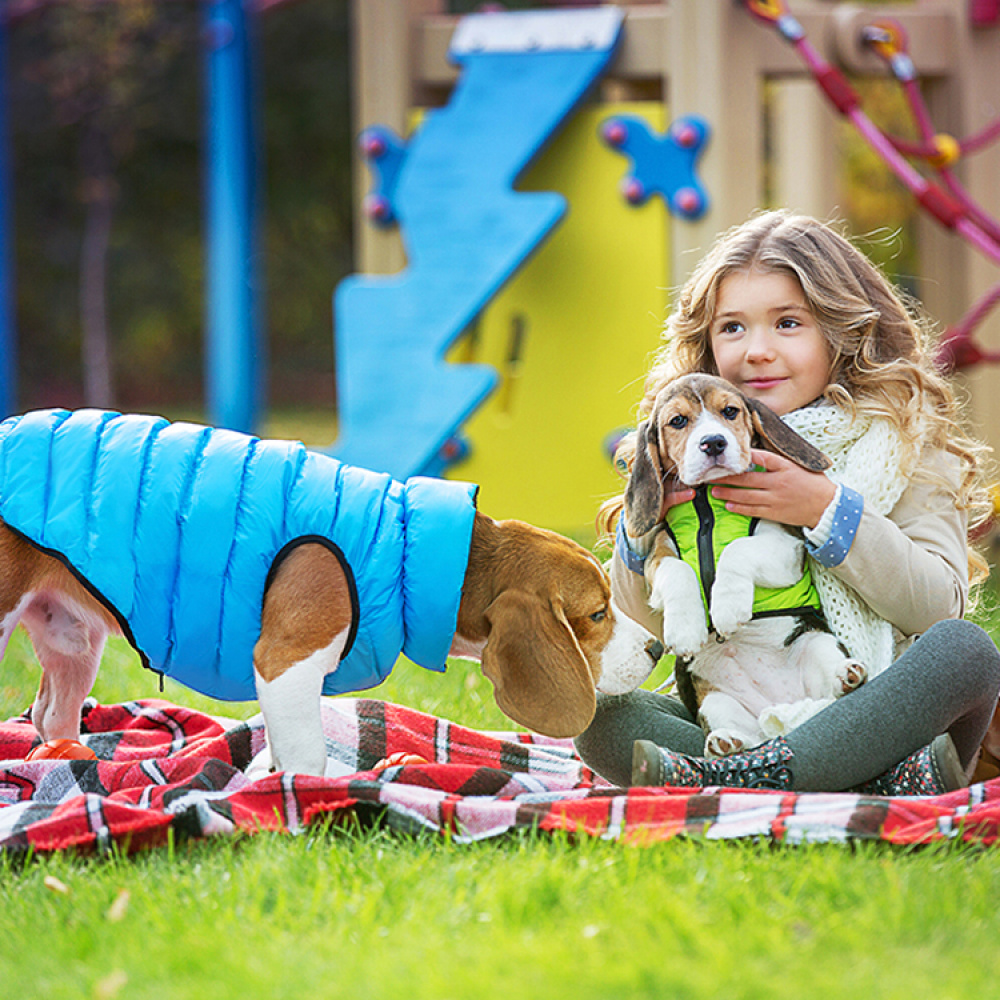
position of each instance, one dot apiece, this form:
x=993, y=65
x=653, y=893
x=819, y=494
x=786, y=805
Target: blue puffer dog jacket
x=175, y=527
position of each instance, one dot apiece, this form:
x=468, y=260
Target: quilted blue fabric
x=176, y=527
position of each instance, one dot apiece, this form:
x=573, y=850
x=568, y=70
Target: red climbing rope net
x=946, y=200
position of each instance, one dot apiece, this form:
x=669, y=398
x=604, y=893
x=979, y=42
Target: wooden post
x=803, y=131
x=709, y=66
x=955, y=275
x=385, y=54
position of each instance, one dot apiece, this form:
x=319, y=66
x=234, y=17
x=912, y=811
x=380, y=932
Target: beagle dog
x=763, y=658
x=535, y=608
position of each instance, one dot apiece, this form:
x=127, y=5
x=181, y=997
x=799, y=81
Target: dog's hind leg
x=305, y=625
x=10, y=618
x=730, y=727
x=827, y=669
x=69, y=644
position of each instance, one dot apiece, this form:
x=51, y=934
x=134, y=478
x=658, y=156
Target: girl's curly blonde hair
x=880, y=346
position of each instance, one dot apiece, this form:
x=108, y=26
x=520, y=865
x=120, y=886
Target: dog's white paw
x=684, y=635
x=851, y=674
x=658, y=593
x=732, y=604
x=723, y=742
x=261, y=766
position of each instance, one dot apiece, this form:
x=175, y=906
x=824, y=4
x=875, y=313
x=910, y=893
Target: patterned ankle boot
x=766, y=766
x=932, y=771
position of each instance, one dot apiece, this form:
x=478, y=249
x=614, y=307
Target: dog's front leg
x=291, y=707
x=676, y=592
x=770, y=558
x=304, y=628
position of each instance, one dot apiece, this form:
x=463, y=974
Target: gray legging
x=947, y=681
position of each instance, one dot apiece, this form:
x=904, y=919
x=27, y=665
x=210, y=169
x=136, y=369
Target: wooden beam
x=834, y=30
x=384, y=43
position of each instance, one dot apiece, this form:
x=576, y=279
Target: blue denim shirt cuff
x=630, y=557
x=846, y=518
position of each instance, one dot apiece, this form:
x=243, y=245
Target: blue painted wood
x=385, y=153
x=8, y=335
x=465, y=231
x=662, y=164
x=234, y=347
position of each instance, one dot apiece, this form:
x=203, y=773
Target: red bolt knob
x=687, y=201
x=615, y=133
x=633, y=190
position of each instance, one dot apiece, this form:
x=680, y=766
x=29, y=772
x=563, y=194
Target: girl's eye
x=599, y=616
x=678, y=422
x=731, y=327
x=730, y=412
x=788, y=323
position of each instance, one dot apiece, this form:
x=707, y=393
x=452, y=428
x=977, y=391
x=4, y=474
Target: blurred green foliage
x=877, y=205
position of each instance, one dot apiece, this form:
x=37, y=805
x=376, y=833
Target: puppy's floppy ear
x=644, y=491
x=539, y=673
x=776, y=435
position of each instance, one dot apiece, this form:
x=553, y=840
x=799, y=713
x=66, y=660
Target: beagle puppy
x=755, y=655
x=240, y=566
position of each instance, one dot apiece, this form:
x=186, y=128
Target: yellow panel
x=572, y=335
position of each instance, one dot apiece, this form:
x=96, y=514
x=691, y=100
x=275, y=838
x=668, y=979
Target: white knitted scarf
x=867, y=454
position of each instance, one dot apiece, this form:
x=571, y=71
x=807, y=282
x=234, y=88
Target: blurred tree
x=307, y=139
x=87, y=67
x=101, y=67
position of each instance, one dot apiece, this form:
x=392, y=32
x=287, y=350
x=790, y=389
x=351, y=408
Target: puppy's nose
x=655, y=649
x=713, y=446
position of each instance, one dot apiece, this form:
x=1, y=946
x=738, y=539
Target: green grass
x=346, y=912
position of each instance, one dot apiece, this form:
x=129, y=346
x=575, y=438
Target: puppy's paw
x=851, y=674
x=723, y=742
x=671, y=582
x=684, y=635
x=732, y=604
x=658, y=593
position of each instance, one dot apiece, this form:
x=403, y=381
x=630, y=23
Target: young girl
x=797, y=317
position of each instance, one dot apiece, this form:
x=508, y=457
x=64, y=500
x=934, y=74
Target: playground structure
x=552, y=347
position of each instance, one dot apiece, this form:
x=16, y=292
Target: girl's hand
x=783, y=492
x=671, y=499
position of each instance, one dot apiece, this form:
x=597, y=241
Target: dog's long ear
x=776, y=435
x=644, y=491
x=539, y=673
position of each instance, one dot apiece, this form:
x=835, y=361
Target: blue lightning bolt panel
x=465, y=230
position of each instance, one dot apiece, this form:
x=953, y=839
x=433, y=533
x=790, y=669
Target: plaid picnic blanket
x=164, y=768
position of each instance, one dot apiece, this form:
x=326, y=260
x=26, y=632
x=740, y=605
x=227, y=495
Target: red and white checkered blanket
x=163, y=768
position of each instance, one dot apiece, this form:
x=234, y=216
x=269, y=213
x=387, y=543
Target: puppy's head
x=702, y=429
x=555, y=636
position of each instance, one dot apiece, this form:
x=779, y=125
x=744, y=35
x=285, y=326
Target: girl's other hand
x=783, y=492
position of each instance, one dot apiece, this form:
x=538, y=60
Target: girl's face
x=766, y=341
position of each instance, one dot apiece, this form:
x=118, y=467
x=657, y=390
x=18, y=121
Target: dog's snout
x=713, y=445
x=655, y=649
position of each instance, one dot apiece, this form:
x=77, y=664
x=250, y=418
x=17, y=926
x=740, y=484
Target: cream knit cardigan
x=867, y=456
